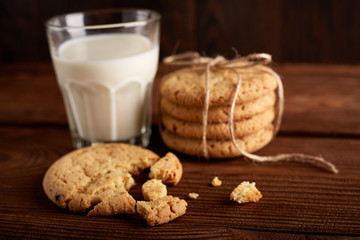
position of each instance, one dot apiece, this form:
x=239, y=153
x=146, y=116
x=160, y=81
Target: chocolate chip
x=57, y=197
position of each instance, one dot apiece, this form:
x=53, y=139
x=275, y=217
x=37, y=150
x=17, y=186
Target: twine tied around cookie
x=250, y=61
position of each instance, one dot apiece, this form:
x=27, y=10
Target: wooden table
x=322, y=117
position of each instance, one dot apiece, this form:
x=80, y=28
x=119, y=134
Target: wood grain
x=313, y=93
x=292, y=31
x=29, y=94
x=321, y=99
x=297, y=198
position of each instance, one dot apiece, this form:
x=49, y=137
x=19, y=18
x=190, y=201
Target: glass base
x=140, y=140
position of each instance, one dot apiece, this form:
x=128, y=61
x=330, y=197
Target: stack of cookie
x=182, y=95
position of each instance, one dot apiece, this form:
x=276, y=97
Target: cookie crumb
x=161, y=210
x=245, y=192
x=216, y=182
x=168, y=169
x=193, y=195
x=153, y=189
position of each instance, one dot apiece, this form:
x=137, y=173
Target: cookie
x=218, y=114
x=187, y=86
x=246, y=192
x=95, y=179
x=168, y=169
x=161, y=210
x=218, y=131
x=219, y=149
x=153, y=189
x=112, y=202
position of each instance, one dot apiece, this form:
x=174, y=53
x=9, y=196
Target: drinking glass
x=105, y=62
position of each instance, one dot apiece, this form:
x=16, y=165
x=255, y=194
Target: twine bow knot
x=250, y=61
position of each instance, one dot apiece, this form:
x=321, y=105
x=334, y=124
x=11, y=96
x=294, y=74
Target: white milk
x=105, y=81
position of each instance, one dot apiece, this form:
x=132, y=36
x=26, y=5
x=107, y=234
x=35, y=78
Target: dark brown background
x=325, y=31
x=322, y=117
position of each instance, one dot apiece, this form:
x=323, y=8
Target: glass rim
x=154, y=17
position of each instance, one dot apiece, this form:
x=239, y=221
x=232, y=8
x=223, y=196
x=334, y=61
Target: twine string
x=253, y=60
x=210, y=64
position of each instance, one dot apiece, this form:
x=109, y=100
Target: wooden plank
x=301, y=31
x=298, y=198
x=319, y=99
x=30, y=95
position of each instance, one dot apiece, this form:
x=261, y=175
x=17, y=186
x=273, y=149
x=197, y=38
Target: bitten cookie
x=218, y=131
x=168, y=169
x=95, y=179
x=219, y=149
x=161, y=210
x=187, y=86
x=218, y=114
x=153, y=189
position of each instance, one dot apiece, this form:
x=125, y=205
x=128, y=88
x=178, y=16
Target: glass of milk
x=105, y=62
